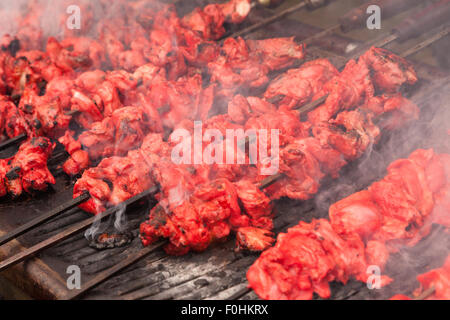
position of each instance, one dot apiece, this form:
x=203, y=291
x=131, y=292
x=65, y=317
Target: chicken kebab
x=435, y=282
x=362, y=230
x=315, y=73
x=368, y=84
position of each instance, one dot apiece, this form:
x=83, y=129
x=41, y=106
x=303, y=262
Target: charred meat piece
x=287, y=122
x=12, y=119
x=196, y=222
x=302, y=172
x=209, y=21
x=241, y=108
x=116, y=178
x=351, y=133
x=246, y=64
x=277, y=53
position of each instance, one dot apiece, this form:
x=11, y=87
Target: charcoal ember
x=111, y=240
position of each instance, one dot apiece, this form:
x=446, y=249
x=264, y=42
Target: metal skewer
x=322, y=34
x=427, y=293
x=23, y=136
x=83, y=225
x=239, y=294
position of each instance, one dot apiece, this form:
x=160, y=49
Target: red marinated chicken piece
x=115, y=135
x=256, y=204
x=442, y=198
x=347, y=90
x=397, y=208
x=247, y=63
x=116, y=179
x=438, y=279
x=389, y=71
x=132, y=176
x=286, y=121
x=97, y=182
x=4, y=169
x=196, y=222
x=302, y=172
x=209, y=21
x=253, y=239
x=13, y=121
x=350, y=134
x=401, y=110
x=364, y=229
